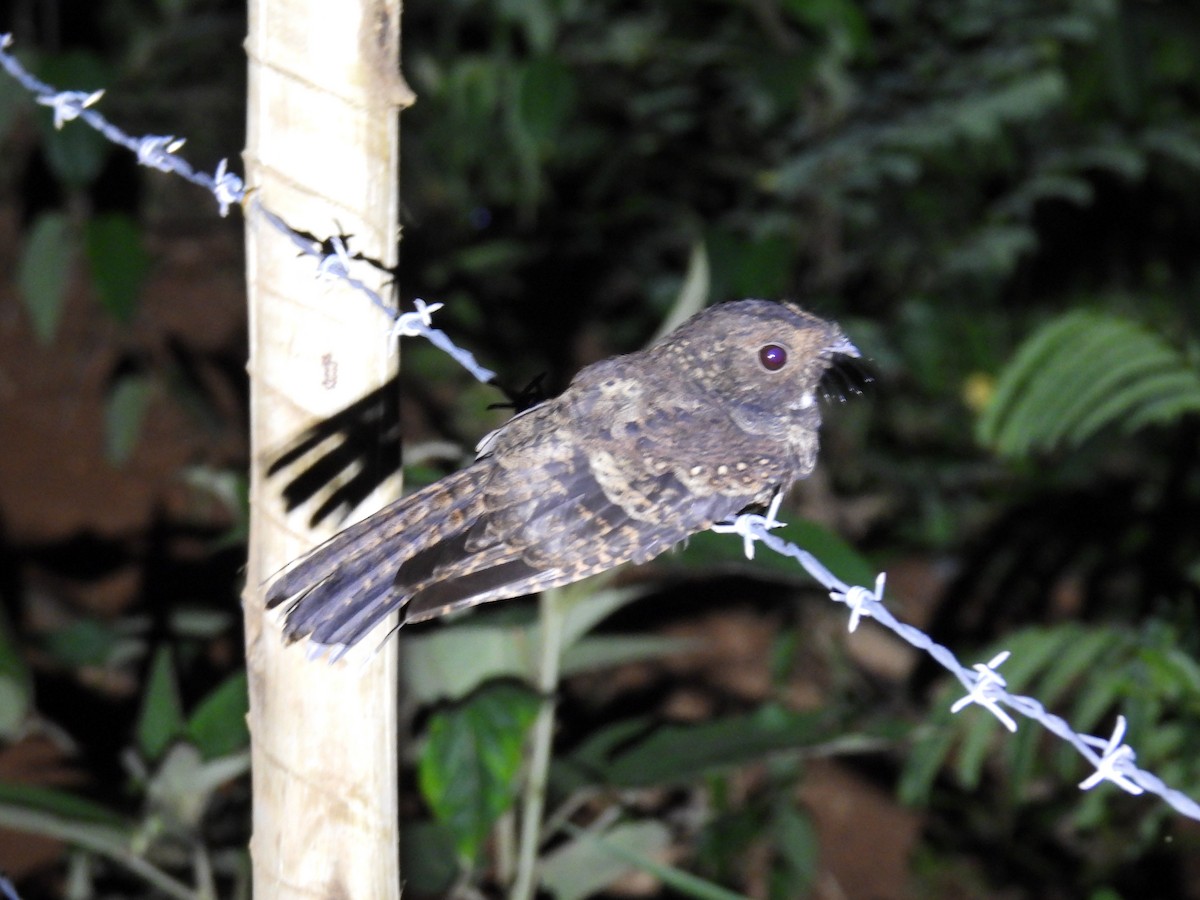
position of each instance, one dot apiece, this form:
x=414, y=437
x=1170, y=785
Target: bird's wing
x=572, y=505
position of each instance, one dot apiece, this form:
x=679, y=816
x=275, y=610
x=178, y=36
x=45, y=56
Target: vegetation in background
x=996, y=199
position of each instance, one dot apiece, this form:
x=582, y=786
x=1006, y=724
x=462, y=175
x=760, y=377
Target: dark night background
x=946, y=179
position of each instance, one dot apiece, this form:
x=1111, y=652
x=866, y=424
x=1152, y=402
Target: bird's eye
x=773, y=357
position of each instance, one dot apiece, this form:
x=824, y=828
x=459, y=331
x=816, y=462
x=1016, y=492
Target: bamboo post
x=322, y=153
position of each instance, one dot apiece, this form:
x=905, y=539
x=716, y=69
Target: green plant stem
x=100, y=839
x=550, y=609
x=202, y=865
x=505, y=837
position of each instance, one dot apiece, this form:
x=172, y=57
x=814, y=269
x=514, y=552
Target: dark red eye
x=773, y=357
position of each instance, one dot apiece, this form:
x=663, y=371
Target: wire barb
x=988, y=690
x=68, y=105
x=747, y=525
x=160, y=152
x=860, y=600
x=1113, y=760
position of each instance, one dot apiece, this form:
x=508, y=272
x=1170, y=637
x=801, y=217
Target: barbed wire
x=332, y=255
x=1112, y=759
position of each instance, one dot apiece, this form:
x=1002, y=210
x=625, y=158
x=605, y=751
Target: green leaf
x=1024, y=761
x=161, y=718
x=545, y=98
x=634, y=855
x=16, y=702
x=13, y=98
x=583, y=866
x=183, y=784
x=991, y=250
x=595, y=604
x=731, y=829
x=1080, y=373
x=118, y=261
x=56, y=802
x=1175, y=144
x=1176, y=673
x=87, y=642
x=1160, y=398
x=469, y=765
x=199, y=624
x=76, y=152
x=16, y=684
x=43, y=271
x=603, y=651
x=798, y=846
x=843, y=16
x=925, y=760
x=1100, y=694
x=537, y=18
x=471, y=90
x=450, y=663
x=427, y=858
x=123, y=417
x=218, y=725
x=1077, y=659
x=640, y=753
x=1024, y=98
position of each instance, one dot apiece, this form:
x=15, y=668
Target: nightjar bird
x=640, y=452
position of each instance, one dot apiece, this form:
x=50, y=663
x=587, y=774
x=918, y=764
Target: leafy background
x=998, y=201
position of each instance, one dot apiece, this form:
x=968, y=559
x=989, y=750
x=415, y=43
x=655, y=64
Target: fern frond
x=1083, y=372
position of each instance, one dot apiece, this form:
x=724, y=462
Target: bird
x=640, y=452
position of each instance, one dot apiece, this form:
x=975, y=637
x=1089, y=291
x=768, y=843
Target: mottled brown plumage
x=640, y=452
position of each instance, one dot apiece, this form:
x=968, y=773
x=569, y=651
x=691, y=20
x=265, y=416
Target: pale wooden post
x=322, y=153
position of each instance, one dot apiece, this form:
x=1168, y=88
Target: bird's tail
x=344, y=588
